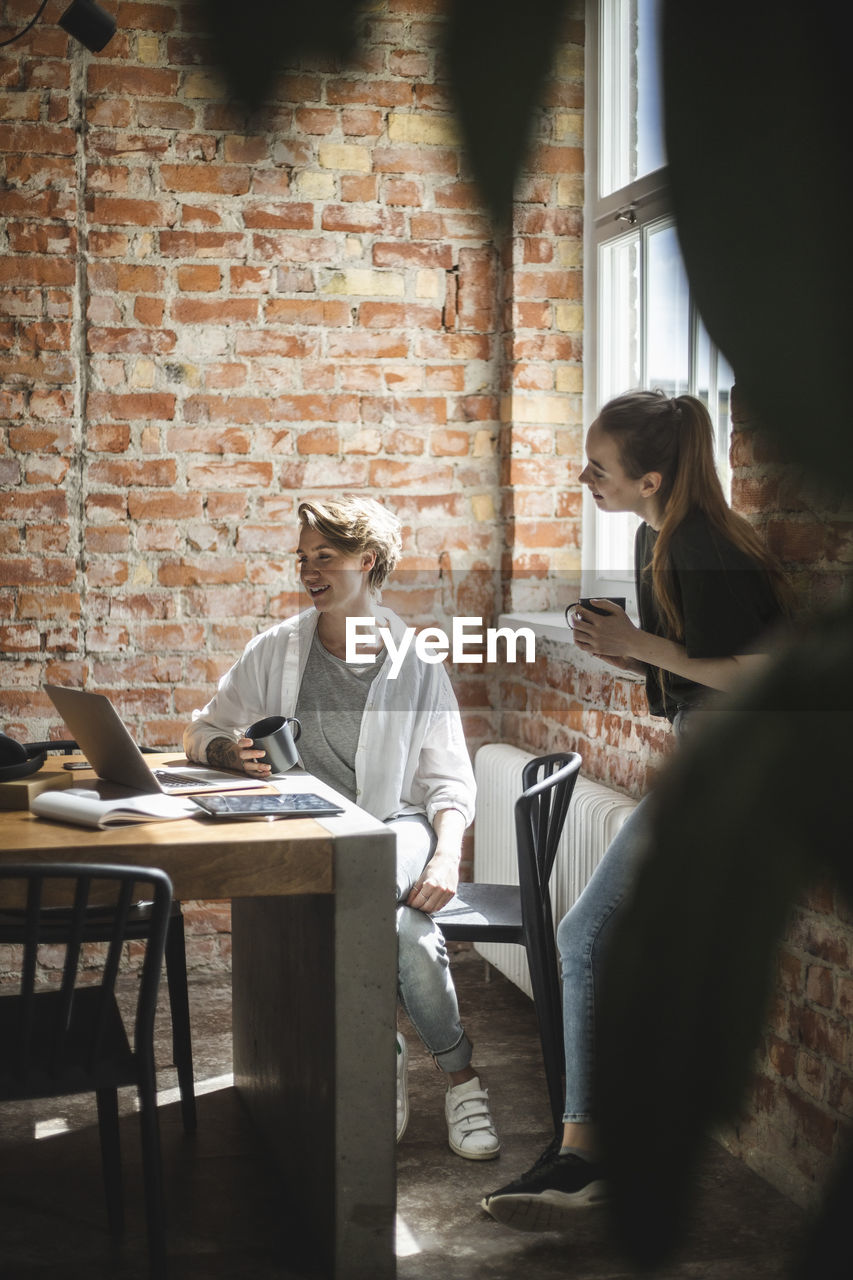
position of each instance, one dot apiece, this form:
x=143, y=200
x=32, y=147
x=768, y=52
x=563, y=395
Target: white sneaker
x=402, y=1086
x=470, y=1128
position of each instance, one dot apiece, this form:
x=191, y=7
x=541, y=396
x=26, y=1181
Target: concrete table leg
x=314, y=992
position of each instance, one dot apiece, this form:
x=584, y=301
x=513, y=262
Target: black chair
x=98, y=928
x=522, y=913
x=73, y=1040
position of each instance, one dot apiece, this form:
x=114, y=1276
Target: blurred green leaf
x=751, y=811
x=758, y=139
x=256, y=40
x=499, y=53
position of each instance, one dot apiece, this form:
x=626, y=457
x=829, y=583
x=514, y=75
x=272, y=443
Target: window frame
x=643, y=205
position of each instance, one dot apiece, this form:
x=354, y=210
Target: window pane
x=618, y=316
x=614, y=546
x=668, y=313
x=630, y=123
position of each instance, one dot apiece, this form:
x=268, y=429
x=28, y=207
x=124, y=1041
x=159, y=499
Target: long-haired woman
x=708, y=592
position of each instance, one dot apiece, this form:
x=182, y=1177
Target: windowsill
x=553, y=627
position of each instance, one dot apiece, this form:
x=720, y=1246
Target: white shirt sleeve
x=250, y=690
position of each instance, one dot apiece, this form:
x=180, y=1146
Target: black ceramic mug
x=585, y=602
x=278, y=741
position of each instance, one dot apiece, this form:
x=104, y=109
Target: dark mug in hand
x=278, y=741
x=586, y=603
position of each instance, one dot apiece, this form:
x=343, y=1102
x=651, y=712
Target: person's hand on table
x=241, y=756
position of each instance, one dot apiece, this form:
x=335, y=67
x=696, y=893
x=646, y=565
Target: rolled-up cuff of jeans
x=457, y=1058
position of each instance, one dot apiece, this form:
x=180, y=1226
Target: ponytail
x=675, y=437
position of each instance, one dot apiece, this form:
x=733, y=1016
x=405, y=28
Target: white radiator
x=595, y=815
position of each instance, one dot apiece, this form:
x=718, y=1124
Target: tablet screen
x=295, y=804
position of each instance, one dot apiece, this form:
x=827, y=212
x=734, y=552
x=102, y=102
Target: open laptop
x=104, y=740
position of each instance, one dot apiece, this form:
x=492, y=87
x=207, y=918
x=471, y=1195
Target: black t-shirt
x=725, y=598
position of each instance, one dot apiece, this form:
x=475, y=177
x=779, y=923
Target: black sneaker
x=548, y=1195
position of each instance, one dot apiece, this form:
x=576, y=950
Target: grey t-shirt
x=330, y=707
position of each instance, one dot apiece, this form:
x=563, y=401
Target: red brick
x=222, y=311
x=387, y=474
x=207, y=440
x=412, y=255
x=403, y=191
x=229, y=475
x=450, y=226
x=408, y=160
x=133, y=405
x=363, y=220
x=48, y=604
x=316, y=408
x=26, y=572
x=239, y=409
x=358, y=188
x=398, y=315
x=204, y=279
x=320, y=440
x=265, y=342
x=136, y=341
x=36, y=270
x=298, y=311
x=136, y=82
x=108, y=437
x=548, y=284
x=157, y=115
x=164, y=506
x=357, y=122
x=37, y=139
x=200, y=572
x=449, y=443
x=250, y=279
x=202, y=244
x=360, y=345
x=454, y=346
x=115, y=211
x=161, y=472
x=373, y=93
x=286, y=216
x=316, y=120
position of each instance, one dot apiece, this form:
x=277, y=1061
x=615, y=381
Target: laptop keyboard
x=169, y=782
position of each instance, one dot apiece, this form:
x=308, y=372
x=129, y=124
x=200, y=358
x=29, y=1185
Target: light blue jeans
x=425, y=984
x=582, y=939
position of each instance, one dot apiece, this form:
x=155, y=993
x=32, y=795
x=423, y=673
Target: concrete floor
x=227, y=1217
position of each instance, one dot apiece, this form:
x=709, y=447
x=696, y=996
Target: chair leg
x=546, y=997
x=108, y=1133
x=152, y=1172
x=182, y=1049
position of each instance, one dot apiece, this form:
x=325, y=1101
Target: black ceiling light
x=84, y=20
x=88, y=23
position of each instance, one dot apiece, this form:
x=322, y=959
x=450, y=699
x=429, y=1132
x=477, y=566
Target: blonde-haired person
x=394, y=746
x=708, y=591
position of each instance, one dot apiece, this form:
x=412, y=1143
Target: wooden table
x=313, y=988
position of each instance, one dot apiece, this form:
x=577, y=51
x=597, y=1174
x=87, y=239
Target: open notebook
x=85, y=808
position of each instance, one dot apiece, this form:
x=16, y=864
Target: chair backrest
x=38, y=924
x=540, y=815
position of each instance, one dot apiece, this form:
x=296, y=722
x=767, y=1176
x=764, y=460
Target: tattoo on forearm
x=221, y=754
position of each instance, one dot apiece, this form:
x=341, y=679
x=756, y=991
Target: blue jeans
x=581, y=939
x=424, y=980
